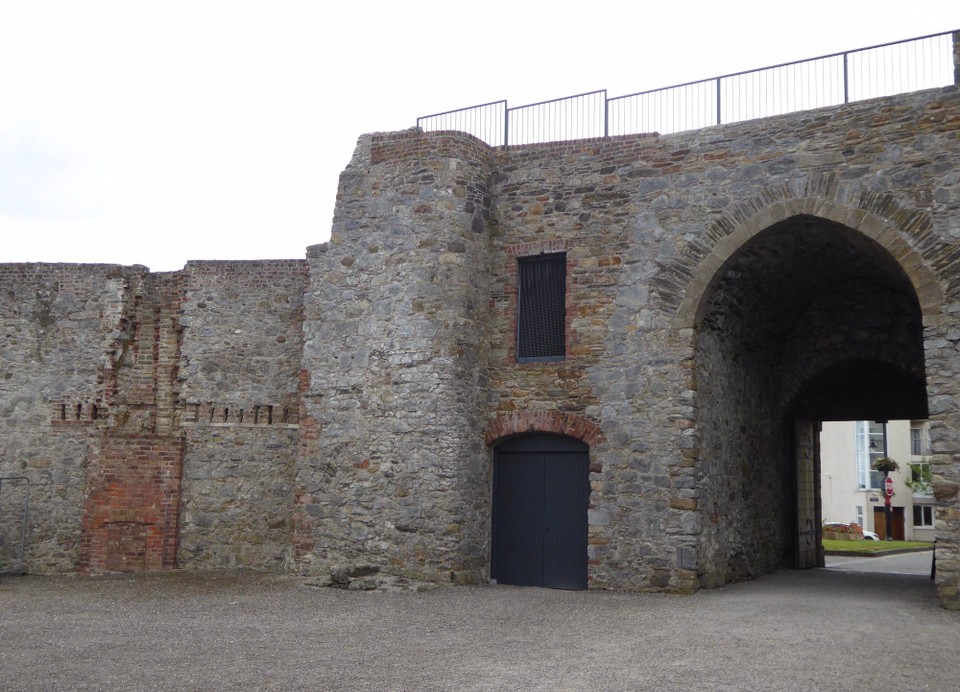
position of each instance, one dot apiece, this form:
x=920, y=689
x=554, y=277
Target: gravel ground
x=820, y=629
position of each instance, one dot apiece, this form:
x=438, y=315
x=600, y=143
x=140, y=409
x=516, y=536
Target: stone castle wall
x=344, y=409
x=150, y=415
x=238, y=406
x=392, y=469
x=641, y=219
x=62, y=328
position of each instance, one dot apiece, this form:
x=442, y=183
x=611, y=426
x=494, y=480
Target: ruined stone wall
x=239, y=378
x=119, y=384
x=392, y=468
x=62, y=328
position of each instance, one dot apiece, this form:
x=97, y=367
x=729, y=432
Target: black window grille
x=541, y=318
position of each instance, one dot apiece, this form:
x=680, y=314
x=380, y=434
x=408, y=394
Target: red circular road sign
x=888, y=486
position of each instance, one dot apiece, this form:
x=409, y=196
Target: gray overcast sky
x=153, y=133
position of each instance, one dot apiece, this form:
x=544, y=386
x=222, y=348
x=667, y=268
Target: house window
x=921, y=478
x=923, y=516
x=871, y=445
x=542, y=311
x=859, y=509
x=919, y=446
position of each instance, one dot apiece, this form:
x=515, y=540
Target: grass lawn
x=871, y=546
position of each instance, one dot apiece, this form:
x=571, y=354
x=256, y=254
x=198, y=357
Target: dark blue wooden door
x=540, y=496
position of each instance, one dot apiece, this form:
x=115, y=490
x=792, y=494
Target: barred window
x=541, y=314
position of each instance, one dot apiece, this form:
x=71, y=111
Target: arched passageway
x=807, y=321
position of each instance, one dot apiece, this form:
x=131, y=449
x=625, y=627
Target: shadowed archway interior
x=808, y=320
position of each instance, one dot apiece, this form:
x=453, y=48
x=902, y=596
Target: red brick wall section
x=130, y=521
x=559, y=422
x=412, y=145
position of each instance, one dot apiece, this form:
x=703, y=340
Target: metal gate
x=14, y=510
x=808, y=553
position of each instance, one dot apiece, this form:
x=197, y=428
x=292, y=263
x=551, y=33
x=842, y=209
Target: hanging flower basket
x=885, y=464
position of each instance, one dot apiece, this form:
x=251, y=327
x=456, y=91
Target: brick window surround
x=543, y=247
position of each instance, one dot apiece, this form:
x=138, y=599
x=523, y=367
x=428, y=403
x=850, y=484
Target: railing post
x=956, y=57
x=506, y=124
x=718, y=101
x=846, y=89
x=606, y=115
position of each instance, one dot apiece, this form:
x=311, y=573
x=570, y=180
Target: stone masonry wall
x=239, y=377
x=62, y=327
x=117, y=379
x=367, y=384
x=647, y=222
x=745, y=489
x=392, y=469
x=624, y=370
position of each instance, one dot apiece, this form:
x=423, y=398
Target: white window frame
x=916, y=441
x=925, y=510
x=867, y=432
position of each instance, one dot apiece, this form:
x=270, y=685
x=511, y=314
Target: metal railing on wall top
x=882, y=70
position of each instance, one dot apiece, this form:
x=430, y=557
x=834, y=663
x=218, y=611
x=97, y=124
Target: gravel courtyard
x=820, y=629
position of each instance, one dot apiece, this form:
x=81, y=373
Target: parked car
x=870, y=536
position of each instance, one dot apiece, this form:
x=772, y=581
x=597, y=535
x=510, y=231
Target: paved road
x=918, y=563
x=813, y=630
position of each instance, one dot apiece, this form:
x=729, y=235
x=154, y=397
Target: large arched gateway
x=809, y=320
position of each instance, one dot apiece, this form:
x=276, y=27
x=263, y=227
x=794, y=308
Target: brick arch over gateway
x=878, y=217
x=557, y=422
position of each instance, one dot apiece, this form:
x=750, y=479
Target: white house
x=852, y=492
